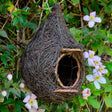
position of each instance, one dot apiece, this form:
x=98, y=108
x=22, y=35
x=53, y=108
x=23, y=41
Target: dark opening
x=67, y=70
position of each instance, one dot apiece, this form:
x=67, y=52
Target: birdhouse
x=52, y=64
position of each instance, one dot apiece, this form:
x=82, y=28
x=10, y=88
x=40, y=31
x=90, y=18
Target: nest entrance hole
x=67, y=70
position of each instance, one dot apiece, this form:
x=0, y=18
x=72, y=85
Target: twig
x=81, y=16
x=74, y=5
x=61, y=2
x=87, y=107
x=101, y=105
x=34, y=1
x=10, y=15
x=40, y=17
x=76, y=14
x=83, y=27
x=27, y=3
x=109, y=28
x=48, y=5
x=23, y=36
x=18, y=38
x=18, y=41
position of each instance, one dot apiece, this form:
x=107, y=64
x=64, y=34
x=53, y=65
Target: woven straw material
x=44, y=63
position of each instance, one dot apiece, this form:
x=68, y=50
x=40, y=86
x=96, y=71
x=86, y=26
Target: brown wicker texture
x=52, y=63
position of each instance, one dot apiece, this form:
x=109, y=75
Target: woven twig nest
x=52, y=63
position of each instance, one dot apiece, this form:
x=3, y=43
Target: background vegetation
x=19, y=19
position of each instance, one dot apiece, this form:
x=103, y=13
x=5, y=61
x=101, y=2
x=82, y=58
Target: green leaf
x=4, y=74
x=97, y=92
x=22, y=19
x=3, y=8
x=108, y=100
x=110, y=38
x=20, y=102
x=108, y=50
x=75, y=108
x=85, y=10
x=11, y=47
x=51, y=2
x=69, y=18
x=9, y=101
x=76, y=33
x=75, y=2
x=95, y=46
x=7, y=84
x=26, y=13
x=25, y=9
x=100, y=48
x=3, y=109
x=75, y=99
x=17, y=107
x=15, y=13
x=108, y=74
x=109, y=66
x=48, y=9
x=108, y=88
x=15, y=21
x=15, y=92
x=3, y=33
x=8, y=58
x=30, y=25
x=91, y=86
x=92, y=101
x=59, y=109
x=52, y=106
x=4, y=59
x=82, y=101
x=85, y=110
x=45, y=5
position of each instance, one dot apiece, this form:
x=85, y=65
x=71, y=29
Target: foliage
x=16, y=29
